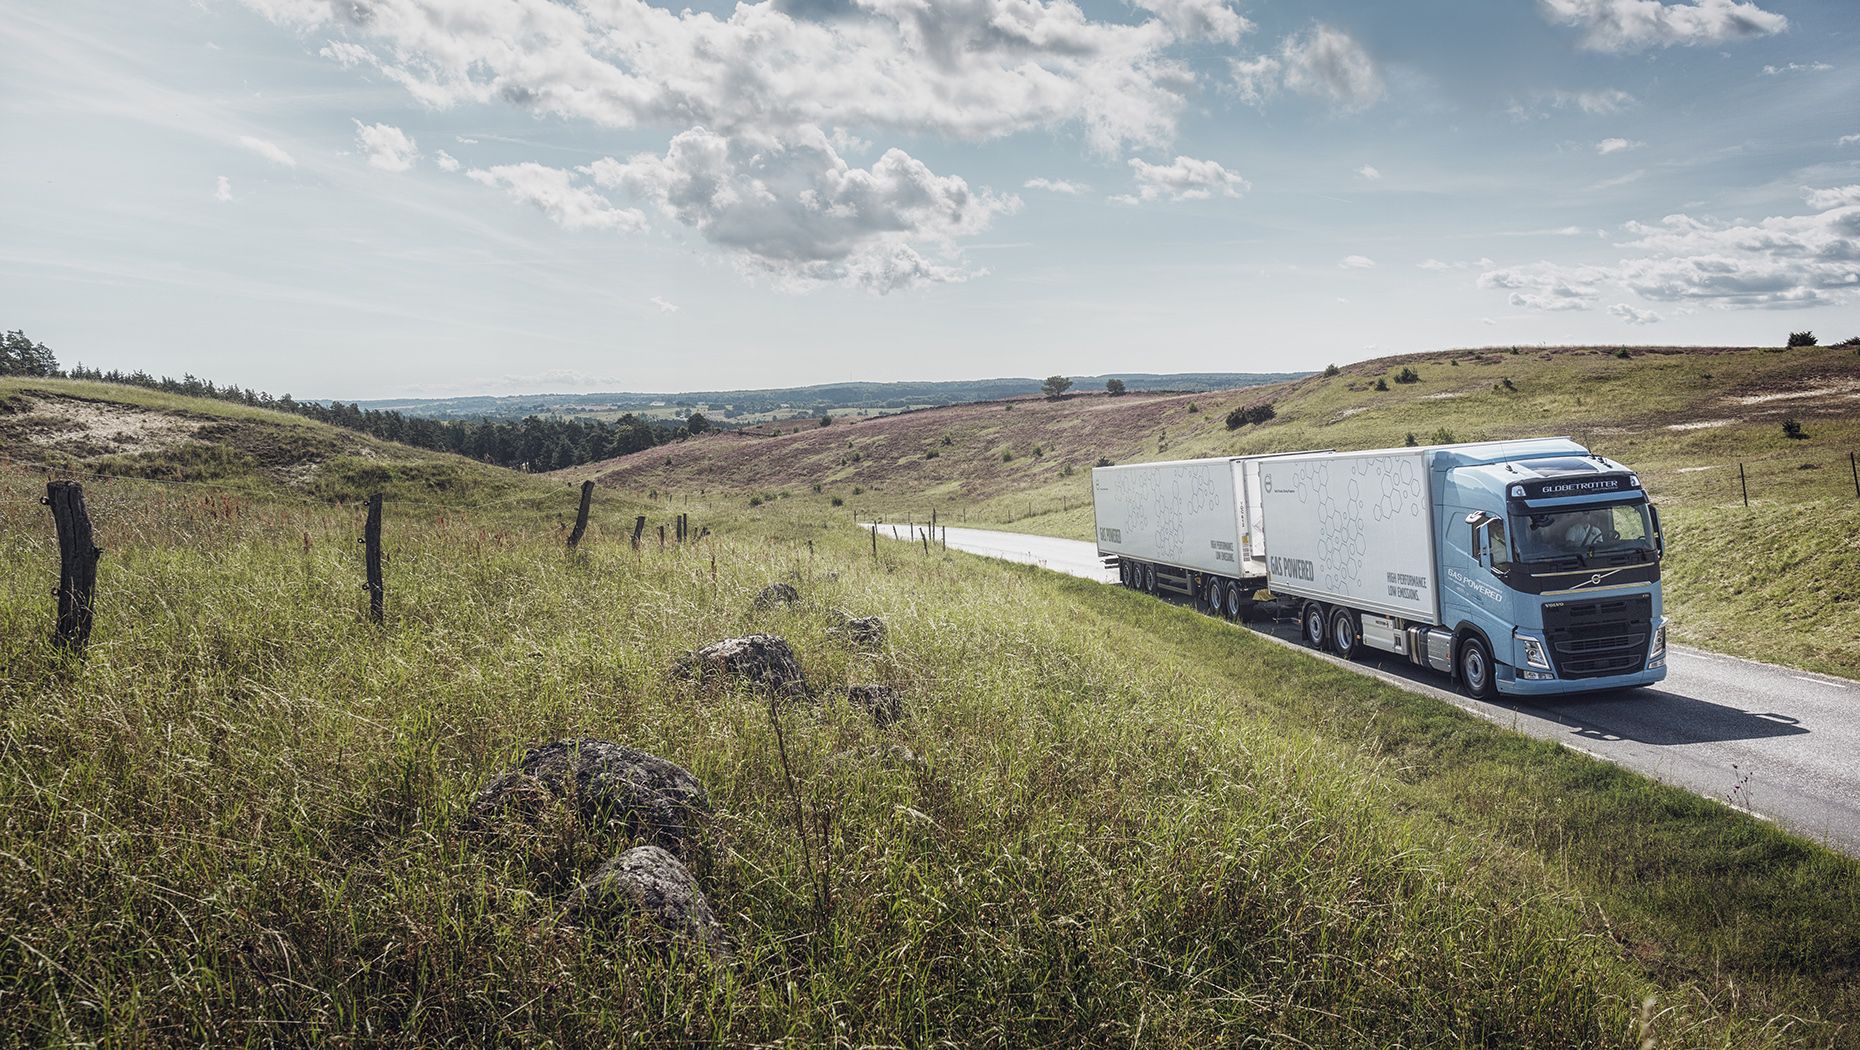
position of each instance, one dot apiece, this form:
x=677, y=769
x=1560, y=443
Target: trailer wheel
x=1345, y=639
x=1215, y=594
x=1123, y=573
x=1478, y=676
x=1149, y=579
x=1317, y=625
x=1232, y=607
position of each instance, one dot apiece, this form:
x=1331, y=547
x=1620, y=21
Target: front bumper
x=1510, y=684
x=1529, y=673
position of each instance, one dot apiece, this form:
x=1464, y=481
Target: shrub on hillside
x=1253, y=414
x=1407, y=375
x=1114, y=387
x=1855, y=341
x=1792, y=429
x=1104, y=461
x=1411, y=441
x=1801, y=339
x=1443, y=436
x=1332, y=370
x=1382, y=384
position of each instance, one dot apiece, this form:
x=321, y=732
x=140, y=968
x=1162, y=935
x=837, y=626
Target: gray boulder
x=648, y=887
x=777, y=594
x=606, y=785
x=882, y=702
x=764, y=660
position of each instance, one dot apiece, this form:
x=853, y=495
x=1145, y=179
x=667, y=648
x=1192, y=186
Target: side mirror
x=1659, y=534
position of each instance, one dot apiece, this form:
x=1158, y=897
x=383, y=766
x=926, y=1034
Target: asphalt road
x=1779, y=743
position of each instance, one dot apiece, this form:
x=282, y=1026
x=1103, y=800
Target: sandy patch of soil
x=1838, y=391
x=1701, y=424
x=89, y=428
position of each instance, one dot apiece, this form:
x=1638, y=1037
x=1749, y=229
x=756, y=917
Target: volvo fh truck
x=1518, y=567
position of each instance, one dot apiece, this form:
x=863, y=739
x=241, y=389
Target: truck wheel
x=1149, y=579
x=1316, y=625
x=1478, y=676
x=1215, y=594
x=1345, y=639
x=1232, y=607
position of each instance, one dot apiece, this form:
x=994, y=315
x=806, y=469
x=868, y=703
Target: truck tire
x=1346, y=637
x=1149, y=578
x=1316, y=625
x=1217, y=592
x=1478, y=675
x=1233, y=608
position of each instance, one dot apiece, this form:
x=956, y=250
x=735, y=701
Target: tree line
x=535, y=443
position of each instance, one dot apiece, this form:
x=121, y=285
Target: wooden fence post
x=661, y=537
x=77, y=564
x=875, y=541
x=371, y=545
x=581, y=516
x=1855, y=467
x=1744, y=485
x=639, y=528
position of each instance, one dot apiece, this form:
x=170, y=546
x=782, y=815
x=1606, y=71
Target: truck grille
x=1597, y=639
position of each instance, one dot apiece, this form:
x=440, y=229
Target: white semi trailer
x=1519, y=567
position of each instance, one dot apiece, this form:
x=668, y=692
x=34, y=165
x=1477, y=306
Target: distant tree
x=1055, y=387
x=1801, y=339
x=20, y=356
x=1407, y=375
x=1332, y=370
x=1114, y=387
x=697, y=424
x=1253, y=414
x=1382, y=384
x=826, y=420
x=1855, y=341
x=1792, y=429
x=1193, y=408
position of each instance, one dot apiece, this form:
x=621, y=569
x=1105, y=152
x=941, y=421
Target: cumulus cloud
x=1322, y=62
x=1212, y=19
x=796, y=211
x=1848, y=140
x=1357, y=262
x=386, y=146
x=222, y=190
x=1636, y=25
x=1607, y=146
x=1369, y=172
x=1633, y=315
x=1776, y=262
x=1183, y=179
x=558, y=193
x=1070, y=189
x=446, y=161
x=271, y=151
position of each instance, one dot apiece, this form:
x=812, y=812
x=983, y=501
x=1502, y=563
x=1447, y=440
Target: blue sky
x=395, y=197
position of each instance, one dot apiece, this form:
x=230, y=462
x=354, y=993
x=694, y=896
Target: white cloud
x=1848, y=140
x=1357, y=262
x=1189, y=19
x=1797, y=67
x=1368, y=171
x=386, y=146
x=1636, y=25
x=1440, y=267
x=1776, y=262
x=971, y=70
x=222, y=190
x=1183, y=179
x=1597, y=102
x=557, y=193
x=1633, y=315
x=1071, y=189
x=1322, y=62
x=664, y=306
x=794, y=210
x=1617, y=145
x=446, y=161
x=271, y=151
x=464, y=141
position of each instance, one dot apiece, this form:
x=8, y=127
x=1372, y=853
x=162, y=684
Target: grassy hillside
x=1102, y=821
x=216, y=446
x=1778, y=580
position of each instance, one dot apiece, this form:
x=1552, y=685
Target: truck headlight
x=1658, y=652
x=1534, y=654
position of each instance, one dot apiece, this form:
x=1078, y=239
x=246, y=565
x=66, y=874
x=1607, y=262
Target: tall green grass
x=1103, y=822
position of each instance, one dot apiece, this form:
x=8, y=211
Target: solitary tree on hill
x=1114, y=387
x=697, y=424
x=1801, y=339
x=1055, y=387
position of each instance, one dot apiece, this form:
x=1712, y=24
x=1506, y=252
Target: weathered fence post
x=581, y=516
x=875, y=541
x=926, y=535
x=77, y=564
x=1855, y=467
x=661, y=537
x=1744, y=485
x=639, y=528
x=371, y=546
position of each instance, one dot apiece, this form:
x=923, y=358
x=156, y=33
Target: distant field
x=1779, y=581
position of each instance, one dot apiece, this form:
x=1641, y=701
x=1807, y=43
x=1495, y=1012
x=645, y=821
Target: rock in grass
x=882, y=702
x=777, y=594
x=764, y=660
x=607, y=785
x=647, y=883
x=866, y=632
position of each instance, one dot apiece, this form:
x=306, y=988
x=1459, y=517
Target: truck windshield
x=1580, y=532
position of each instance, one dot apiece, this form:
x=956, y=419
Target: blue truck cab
x=1549, y=569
